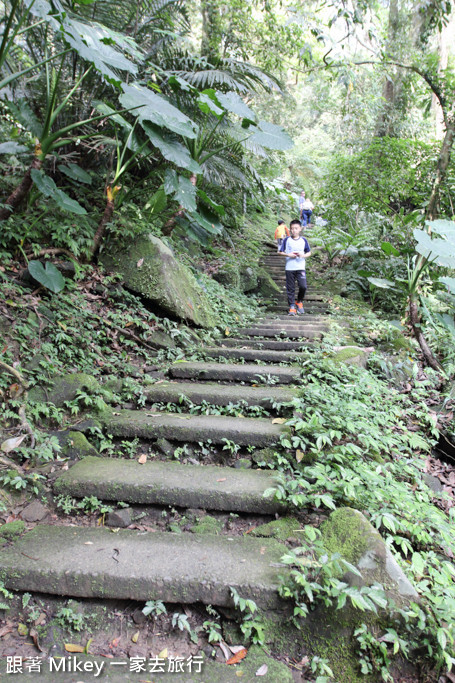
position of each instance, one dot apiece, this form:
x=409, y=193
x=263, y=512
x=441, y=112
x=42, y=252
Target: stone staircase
x=93, y=562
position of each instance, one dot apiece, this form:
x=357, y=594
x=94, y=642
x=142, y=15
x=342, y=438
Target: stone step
x=90, y=562
x=290, y=322
x=194, y=428
x=298, y=320
x=267, y=356
x=170, y=483
x=312, y=310
x=232, y=373
x=218, y=394
x=304, y=332
x=264, y=344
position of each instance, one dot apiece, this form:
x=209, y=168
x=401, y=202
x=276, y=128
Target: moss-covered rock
x=12, y=529
x=207, y=525
x=349, y=533
x=351, y=355
x=264, y=456
x=160, y=278
x=65, y=388
x=266, y=285
x=77, y=446
x=397, y=342
x=283, y=528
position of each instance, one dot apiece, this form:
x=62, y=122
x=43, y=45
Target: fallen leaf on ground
x=142, y=459
x=6, y=629
x=34, y=637
x=299, y=455
x=222, y=479
x=135, y=637
x=238, y=656
x=279, y=420
x=262, y=670
x=163, y=654
x=236, y=648
x=10, y=444
x=224, y=649
x=70, y=647
x=41, y=619
x=22, y=630
x=140, y=262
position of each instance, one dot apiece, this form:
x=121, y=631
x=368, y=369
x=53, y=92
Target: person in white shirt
x=307, y=210
x=296, y=250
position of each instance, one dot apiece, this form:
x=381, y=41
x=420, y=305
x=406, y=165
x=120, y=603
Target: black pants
x=291, y=277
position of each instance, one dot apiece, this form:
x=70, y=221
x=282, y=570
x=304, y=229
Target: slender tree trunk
x=415, y=324
x=99, y=234
x=392, y=83
x=441, y=169
x=211, y=29
x=21, y=191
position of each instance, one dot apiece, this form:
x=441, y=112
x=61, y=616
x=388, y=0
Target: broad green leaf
x=209, y=105
x=449, y=282
x=157, y=109
x=218, y=208
x=109, y=111
x=186, y=194
x=389, y=249
x=75, y=172
x=23, y=113
x=49, y=189
x=49, y=277
x=233, y=103
x=381, y=282
x=65, y=202
x=440, y=249
x=157, y=202
x=172, y=150
x=12, y=148
x=45, y=185
x=171, y=182
x=442, y=638
x=207, y=220
x=270, y=136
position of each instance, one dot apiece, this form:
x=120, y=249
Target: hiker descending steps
x=296, y=250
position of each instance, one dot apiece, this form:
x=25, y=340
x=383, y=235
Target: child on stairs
x=296, y=250
x=280, y=233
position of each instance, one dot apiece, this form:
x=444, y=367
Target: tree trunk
x=385, y=122
x=107, y=216
x=21, y=190
x=211, y=30
x=441, y=169
x=415, y=324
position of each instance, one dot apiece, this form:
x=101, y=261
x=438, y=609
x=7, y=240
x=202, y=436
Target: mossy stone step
x=194, y=428
x=307, y=318
x=218, y=394
x=291, y=322
x=265, y=344
x=233, y=373
x=295, y=333
x=93, y=562
x=170, y=483
x=267, y=356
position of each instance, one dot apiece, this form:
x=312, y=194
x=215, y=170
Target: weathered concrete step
x=304, y=332
x=218, y=394
x=267, y=356
x=295, y=322
x=307, y=318
x=94, y=562
x=194, y=428
x=233, y=373
x=311, y=310
x=266, y=344
x=170, y=483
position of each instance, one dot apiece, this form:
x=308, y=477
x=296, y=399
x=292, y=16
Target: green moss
x=281, y=529
x=352, y=355
x=397, y=343
x=12, y=529
x=342, y=533
x=207, y=525
x=78, y=446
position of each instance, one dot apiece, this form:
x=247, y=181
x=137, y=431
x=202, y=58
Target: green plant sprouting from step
x=251, y=624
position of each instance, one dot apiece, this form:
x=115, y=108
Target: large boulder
x=149, y=268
